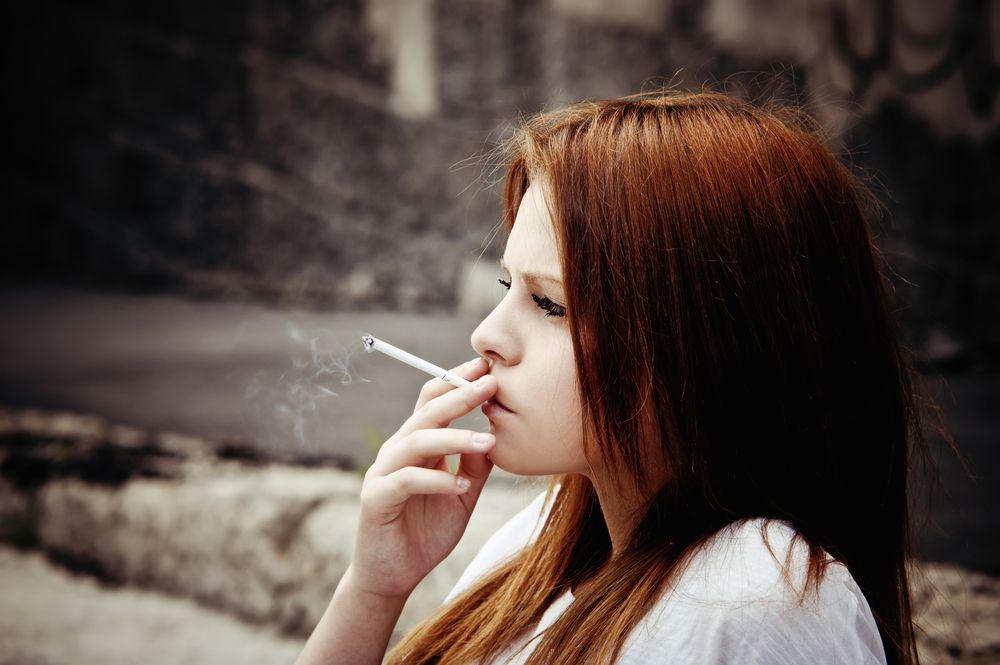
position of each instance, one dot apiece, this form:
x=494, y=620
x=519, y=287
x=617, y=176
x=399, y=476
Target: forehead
x=531, y=245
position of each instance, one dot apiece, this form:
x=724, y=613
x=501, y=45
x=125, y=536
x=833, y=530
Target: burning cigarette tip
x=373, y=344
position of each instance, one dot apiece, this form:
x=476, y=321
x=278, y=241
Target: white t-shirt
x=731, y=604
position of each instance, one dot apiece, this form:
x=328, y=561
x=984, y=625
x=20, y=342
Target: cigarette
x=375, y=344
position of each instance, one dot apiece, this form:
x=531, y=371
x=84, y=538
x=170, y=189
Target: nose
x=495, y=339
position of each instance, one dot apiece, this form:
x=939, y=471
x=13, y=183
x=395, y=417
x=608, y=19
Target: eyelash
x=551, y=309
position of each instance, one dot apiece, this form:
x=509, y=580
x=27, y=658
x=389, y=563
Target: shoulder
x=507, y=541
x=740, y=600
x=750, y=560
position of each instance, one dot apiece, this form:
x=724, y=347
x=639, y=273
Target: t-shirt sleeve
x=507, y=541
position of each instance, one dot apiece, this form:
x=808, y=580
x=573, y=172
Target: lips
x=494, y=408
x=500, y=404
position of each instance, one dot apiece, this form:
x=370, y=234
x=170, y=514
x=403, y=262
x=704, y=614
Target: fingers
x=457, y=402
x=475, y=466
x=389, y=492
x=427, y=446
x=471, y=370
x=412, y=462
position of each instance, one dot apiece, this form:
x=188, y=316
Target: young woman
x=698, y=344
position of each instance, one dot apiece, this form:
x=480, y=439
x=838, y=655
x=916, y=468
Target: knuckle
x=379, y=461
x=366, y=494
x=424, y=412
x=474, y=399
x=426, y=394
x=402, y=482
x=431, y=414
x=428, y=389
x=411, y=440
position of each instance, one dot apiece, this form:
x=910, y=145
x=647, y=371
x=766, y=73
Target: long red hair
x=728, y=309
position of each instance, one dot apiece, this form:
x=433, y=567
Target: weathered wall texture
x=324, y=153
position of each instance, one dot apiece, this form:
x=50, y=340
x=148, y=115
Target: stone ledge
x=268, y=541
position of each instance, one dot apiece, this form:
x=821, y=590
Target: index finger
x=471, y=370
x=440, y=411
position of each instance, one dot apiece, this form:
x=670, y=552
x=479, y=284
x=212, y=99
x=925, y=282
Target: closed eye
x=550, y=308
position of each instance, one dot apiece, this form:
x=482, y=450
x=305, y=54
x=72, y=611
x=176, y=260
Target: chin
x=510, y=463
x=523, y=465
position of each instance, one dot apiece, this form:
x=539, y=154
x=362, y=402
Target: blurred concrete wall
x=327, y=153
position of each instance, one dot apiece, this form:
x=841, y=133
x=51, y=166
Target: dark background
x=255, y=159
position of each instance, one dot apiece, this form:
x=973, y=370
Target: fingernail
x=463, y=483
x=480, y=382
x=473, y=364
x=482, y=438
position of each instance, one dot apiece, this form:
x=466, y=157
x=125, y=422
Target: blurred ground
x=250, y=373
x=49, y=616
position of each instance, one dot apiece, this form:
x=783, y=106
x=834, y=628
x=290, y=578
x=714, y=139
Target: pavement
x=297, y=382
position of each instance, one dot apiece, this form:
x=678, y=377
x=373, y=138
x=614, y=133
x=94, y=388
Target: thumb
x=476, y=467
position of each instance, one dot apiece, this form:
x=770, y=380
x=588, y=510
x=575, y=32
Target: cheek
x=566, y=423
x=567, y=388
x=548, y=439
x=557, y=404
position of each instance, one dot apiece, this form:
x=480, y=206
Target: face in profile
x=527, y=339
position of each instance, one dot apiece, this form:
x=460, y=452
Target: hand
x=413, y=509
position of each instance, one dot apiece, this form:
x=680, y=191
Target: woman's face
x=529, y=346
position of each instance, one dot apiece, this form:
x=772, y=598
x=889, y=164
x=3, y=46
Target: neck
x=623, y=505
x=622, y=511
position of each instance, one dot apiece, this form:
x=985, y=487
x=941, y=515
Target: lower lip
x=491, y=409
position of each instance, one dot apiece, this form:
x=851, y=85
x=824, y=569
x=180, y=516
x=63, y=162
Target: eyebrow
x=535, y=276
